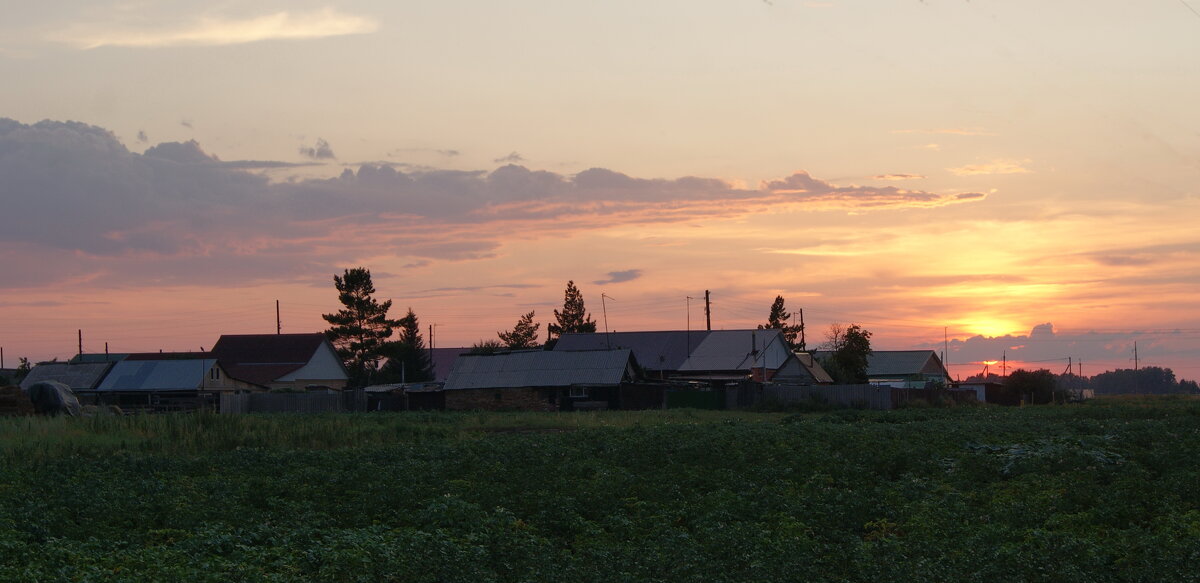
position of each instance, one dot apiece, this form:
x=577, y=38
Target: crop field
x=1105, y=491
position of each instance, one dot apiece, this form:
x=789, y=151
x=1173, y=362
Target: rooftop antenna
x=604, y=308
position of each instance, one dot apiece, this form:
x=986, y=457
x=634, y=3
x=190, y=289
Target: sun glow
x=990, y=327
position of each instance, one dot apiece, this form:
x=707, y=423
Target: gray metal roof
x=666, y=350
x=680, y=350
x=157, y=375
x=729, y=350
x=899, y=363
x=539, y=368
x=80, y=377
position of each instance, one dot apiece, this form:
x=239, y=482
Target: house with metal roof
x=83, y=376
x=145, y=380
x=281, y=361
x=696, y=354
x=904, y=369
x=539, y=380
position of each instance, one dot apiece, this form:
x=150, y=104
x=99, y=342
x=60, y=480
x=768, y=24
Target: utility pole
x=431, y=345
x=803, y=345
x=278, y=322
x=1135, y=355
x=1, y=357
x=81, y=342
x=707, y=310
x=604, y=309
x=1004, y=365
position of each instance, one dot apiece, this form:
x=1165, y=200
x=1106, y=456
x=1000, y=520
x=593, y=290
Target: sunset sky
x=1006, y=177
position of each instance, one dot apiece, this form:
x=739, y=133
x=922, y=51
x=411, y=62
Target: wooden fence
x=858, y=396
x=346, y=401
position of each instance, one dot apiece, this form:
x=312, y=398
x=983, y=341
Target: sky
x=1002, y=180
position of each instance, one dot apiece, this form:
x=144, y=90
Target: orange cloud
x=994, y=167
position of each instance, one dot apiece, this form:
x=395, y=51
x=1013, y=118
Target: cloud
x=177, y=213
x=187, y=123
x=898, y=176
x=620, y=276
x=950, y=131
x=993, y=167
x=321, y=151
x=208, y=31
x=802, y=187
x=512, y=158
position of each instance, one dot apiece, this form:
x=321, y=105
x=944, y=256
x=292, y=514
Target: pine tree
x=408, y=359
x=778, y=320
x=360, y=329
x=524, y=334
x=573, y=317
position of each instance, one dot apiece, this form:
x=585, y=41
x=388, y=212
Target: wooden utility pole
x=707, y=310
x=80, y=342
x=278, y=322
x=803, y=344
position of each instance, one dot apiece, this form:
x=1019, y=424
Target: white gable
x=324, y=365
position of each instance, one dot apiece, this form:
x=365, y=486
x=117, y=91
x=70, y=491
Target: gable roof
x=900, y=363
x=179, y=371
x=262, y=358
x=540, y=368
x=904, y=362
x=443, y=361
x=681, y=350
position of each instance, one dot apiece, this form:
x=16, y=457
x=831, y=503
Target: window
x=578, y=392
x=214, y=374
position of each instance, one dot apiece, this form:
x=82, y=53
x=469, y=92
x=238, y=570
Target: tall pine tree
x=361, y=328
x=778, y=320
x=408, y=359
x=573, y=317
x=524, y=334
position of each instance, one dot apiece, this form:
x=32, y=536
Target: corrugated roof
x=262, y=358
x=729, y=350
x=894, y=363
x=657, y=350
x=157, y=375
x=681, y=350
x=539, y=368
x=80, y=377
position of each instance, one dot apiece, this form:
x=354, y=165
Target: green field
x=1106, y=491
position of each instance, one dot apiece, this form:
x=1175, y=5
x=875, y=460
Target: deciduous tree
x=849, y=347
x=359, y=330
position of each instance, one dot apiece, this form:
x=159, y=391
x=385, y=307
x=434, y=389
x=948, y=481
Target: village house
x=188, y=379
x=538, y=380
x=282, y=361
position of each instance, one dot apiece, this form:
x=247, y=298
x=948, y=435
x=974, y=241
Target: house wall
x=525, y=399
x=225, y=383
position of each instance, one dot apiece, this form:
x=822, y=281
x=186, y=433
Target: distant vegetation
x=1045, y=385
x=1103, y=491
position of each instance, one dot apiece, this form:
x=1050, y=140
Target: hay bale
x=14, y=401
